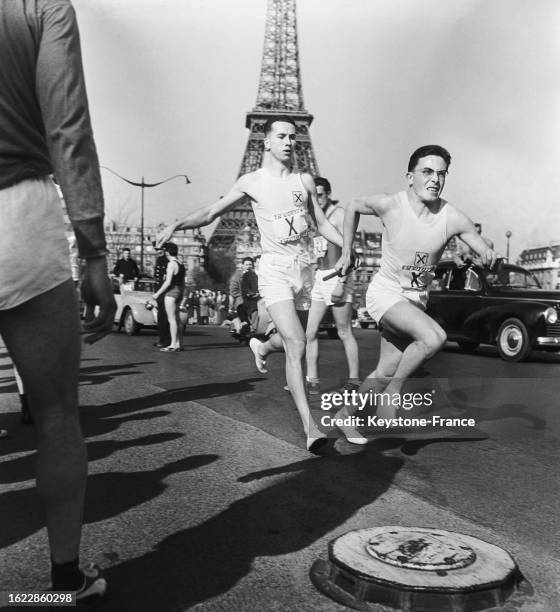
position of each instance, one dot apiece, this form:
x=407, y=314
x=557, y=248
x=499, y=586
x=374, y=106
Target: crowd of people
x=45, y=130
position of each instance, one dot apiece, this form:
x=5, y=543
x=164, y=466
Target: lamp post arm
x=142, y=185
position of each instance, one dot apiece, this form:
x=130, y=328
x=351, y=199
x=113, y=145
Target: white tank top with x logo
x=410, y=258
x=280, y=207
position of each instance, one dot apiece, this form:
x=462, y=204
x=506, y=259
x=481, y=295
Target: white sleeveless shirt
x=280, y=207
x=408, y=260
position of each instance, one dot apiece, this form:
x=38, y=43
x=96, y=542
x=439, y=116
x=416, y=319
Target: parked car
x=364, y=318
x=505, y=307
x=136, y=308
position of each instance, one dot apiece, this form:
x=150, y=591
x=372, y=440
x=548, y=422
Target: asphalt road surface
x=202, y=496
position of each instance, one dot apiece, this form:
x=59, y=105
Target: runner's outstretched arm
x=206, y=214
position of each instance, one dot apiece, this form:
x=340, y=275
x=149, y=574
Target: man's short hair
x=247, y=259
x=271, y=120
x=171, y=248
x=428, y=150
x=126, y=249
x=323, y=182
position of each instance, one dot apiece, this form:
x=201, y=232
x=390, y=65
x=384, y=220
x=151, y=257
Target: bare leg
x=170, y=307
x=291, y=332
x=411, y=338
x=48, y=325
x=316, y=313
x=343, y=319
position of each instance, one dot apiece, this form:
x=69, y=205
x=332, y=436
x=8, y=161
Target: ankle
x=67, y=576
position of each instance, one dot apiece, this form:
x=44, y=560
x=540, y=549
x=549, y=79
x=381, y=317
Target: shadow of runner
x=21, y=469
x=104, y=418
x=107, y=495
x=204, y=561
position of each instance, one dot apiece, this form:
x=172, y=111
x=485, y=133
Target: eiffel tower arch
x=279, y=93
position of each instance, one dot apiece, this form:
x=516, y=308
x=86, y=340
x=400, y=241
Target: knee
x=383, y=377
x=433, y=341
x=310, y=335
x=344, y=332
x=295, y=348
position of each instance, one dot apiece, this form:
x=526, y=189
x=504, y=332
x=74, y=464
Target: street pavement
x=201, y=494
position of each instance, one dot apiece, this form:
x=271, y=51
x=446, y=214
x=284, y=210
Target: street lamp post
x=142, y=185
x=508, y=236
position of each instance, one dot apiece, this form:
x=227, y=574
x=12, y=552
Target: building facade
x=191, y=245
x=544, y=263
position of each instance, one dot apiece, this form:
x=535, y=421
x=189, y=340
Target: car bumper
x=548, y=341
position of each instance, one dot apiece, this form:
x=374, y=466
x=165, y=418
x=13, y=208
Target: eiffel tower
x=279, y=93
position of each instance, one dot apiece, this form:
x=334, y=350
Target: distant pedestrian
x=172, y=292
x=126, y=269
x=250, y=292
x=160, y=271
x=235, y=290
x=204, y=305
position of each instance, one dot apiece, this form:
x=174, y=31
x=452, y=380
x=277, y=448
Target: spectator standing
x=235, y=290
x=126, y=269
x=172, y=292
x=204, y=308
x=160, y=271
x=250, y=292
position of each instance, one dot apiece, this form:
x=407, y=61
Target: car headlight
x=148, y=306
x=550, y=315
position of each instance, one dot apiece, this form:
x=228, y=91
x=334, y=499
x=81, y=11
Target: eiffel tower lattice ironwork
x=279, y=92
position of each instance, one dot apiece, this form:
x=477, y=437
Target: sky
x=170, y=82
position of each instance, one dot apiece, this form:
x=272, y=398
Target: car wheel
x=468, y=347
x=130, y=325
x=332, y=333
x=513, y=340
x=364, y=325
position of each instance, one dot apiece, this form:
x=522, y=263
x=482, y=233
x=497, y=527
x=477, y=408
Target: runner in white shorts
x=336, y=292
x=417, y=225
x=286, y=208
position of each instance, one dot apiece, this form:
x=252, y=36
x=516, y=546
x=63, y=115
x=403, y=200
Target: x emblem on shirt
x=297, y=197
x=420, y=259
x=290, y=222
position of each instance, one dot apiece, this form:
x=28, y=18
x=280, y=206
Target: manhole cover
x=415, y=569
x=421, y=549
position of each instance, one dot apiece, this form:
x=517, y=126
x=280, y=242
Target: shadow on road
x=204, y=561
x=103, y=419
x=98, y=375
x=23, y=468
x=108, y=495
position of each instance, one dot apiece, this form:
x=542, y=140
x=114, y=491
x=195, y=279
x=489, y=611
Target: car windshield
x=511, y=277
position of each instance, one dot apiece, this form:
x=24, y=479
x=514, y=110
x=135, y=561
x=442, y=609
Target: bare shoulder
x=337, y=215
x=308, y=181
x=457, y=220
x=246, y=181
x=378, y=204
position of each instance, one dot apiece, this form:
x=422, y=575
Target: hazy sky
x=170, y=82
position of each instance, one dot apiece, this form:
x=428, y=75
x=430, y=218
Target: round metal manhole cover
x=421, y=549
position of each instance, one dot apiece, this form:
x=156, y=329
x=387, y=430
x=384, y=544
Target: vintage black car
x=504, y=306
